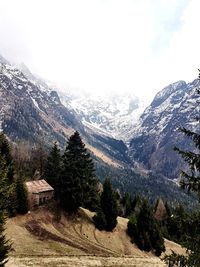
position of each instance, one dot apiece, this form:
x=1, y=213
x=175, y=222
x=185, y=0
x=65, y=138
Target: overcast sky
x=138, y=46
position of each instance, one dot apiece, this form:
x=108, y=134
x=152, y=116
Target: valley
x=99, y=133
x=140, y=149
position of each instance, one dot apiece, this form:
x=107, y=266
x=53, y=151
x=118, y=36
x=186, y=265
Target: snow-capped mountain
x=157, y=132
x=114, y=114
x=30, y=110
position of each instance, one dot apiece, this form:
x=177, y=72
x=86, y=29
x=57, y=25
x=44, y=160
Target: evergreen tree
x=109, y=205
x=4, y=206
x=3, y=184
x=6, y=154
x=21, y=196
x=127, y=205
x=144, y=230
x=12, y=192
x=108, y=212
x=7, y=190
x=38, y=161
x=53, y=168
x=78, y=184
x=4, y=244
x=100, y=220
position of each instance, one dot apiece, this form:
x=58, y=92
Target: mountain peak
x=156, y=134
x=167, y=91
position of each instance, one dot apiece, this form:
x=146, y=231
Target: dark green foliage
x=78, y=184
x=5, y=198
x=53, y=168
x=174, y=260
x=144, y=230
x=193, y=240
x=3, y=184
x=38, y=160
x=6, y=154
x=21, y=196
x=4, y=244
x=177, y=224
x=109, y=211
x=127, y=205
x=12, y=192
x=128, y=181
x=7, y=190
x=109, y=205
x=100, y=220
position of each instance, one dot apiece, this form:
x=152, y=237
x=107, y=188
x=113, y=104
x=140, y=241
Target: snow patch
x=36, y=104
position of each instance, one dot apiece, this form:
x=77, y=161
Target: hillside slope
x=157, y=133
x=31, y=111
x=39, y=240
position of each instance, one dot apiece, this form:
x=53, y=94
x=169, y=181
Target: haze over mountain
x=30, y=110
x=111, y=46
x=114, y=114
x=139, y=158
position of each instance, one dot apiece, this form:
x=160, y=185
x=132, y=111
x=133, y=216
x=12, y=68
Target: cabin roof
x=38, y=186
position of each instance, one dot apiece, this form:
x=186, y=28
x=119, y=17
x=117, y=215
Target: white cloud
x=99, y=45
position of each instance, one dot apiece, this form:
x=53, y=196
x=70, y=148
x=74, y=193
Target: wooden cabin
x=39, y=192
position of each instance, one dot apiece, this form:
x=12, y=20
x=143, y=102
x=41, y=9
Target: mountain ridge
x=32, y=111
x=157, y=132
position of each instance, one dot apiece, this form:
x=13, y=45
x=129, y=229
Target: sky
x=136, y=46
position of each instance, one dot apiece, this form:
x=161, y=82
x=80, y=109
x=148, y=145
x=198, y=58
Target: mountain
x=113, y=114
x=30, y=110
x=157, y=132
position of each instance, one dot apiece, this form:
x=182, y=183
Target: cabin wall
x=37, y=199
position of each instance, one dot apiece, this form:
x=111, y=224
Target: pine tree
x=4, y=244
x=38, y=161
x=21, y=196
x=144, y=230
x=127, y=204
x=3, y=184
x=109, y=205
x=108, y=211
x=78, y=184
x=6, y=154
x=4, y=206
x=7, y=190
x=53, y=168
x=100, y=220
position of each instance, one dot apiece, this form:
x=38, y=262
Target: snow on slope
x=114, y=114
x=157, y=132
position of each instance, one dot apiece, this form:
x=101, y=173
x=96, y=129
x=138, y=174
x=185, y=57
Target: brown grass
x=38, y=240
